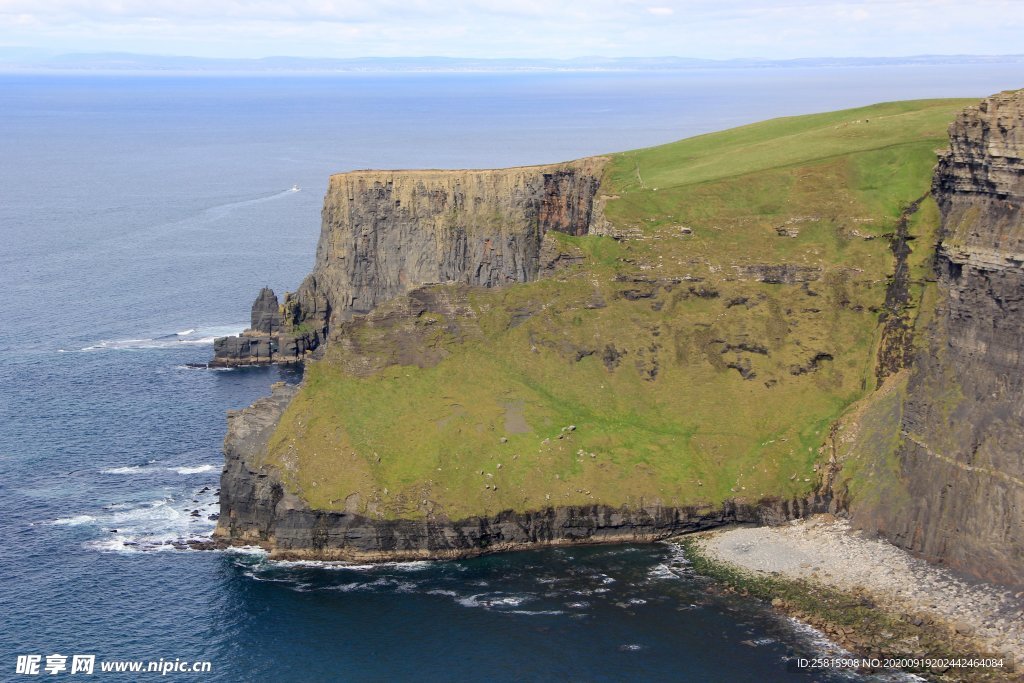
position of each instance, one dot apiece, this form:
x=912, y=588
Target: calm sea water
x=138, y=219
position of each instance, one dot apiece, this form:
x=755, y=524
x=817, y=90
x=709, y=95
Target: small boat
x=295, y=188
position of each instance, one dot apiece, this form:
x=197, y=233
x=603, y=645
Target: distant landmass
x=16, y=59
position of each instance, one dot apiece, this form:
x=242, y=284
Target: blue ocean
x=139, y=217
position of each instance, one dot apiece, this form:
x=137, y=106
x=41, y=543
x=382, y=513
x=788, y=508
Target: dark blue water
x=139, y=217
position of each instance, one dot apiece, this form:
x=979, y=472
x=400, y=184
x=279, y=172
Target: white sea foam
x=129, y=469
x=539, y=612
x=758, y=642
x=146, y=469
x=676, y=566
x=386, y=585
x=310, y=564
x=201, y=340
x=493, y=600
x=411, y=566
x=161, y=524
x=108, y=344
x=78, y=520
x=113, y=545
x=251, y=550
x=662, y=571
x=192, y=336
x=198, y=469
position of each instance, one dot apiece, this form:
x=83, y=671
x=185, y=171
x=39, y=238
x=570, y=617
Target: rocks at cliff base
x=824, y=550
x=269, y=339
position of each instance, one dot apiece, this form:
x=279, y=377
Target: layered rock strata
x=961, y=460
x=958, y=465
x=384, y=233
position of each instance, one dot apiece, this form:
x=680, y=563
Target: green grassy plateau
x=686, y=378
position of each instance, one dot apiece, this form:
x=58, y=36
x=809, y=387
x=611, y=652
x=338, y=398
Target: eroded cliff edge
x=953, y=489
x=384, y=233
x=704, y=354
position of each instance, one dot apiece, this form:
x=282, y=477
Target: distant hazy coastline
x=28, y=60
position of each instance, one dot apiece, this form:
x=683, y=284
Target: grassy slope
x=479, y=432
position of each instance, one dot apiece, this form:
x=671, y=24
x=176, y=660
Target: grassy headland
x=700, y=356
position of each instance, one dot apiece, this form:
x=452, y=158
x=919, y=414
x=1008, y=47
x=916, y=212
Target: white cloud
x=519, y=28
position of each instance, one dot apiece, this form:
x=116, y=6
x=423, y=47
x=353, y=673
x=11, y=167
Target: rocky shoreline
x=825, y=552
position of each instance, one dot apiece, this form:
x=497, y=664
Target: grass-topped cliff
x=697, y=350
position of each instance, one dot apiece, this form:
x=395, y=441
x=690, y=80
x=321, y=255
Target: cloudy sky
x=717, y=29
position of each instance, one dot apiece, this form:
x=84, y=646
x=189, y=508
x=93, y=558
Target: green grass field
x=685, y=379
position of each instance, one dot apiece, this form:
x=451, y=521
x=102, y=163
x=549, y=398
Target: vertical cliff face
x=961, y=459
x=384, y=233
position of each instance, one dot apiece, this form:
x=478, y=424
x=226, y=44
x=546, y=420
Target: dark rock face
x=266, y=314
x=257, y=509
x=962, y=457
x=270, y=339
x=385, y=233
x=784, y=274
x=896, y=349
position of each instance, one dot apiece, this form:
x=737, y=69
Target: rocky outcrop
x=960, y=461
x=896, y=348
x=266, y=313
x=385, y=233
x=271, y=338
x=258, y=509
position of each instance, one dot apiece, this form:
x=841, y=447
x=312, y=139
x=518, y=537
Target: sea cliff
x=959, y=472
x=743, y=328
x=384, y=233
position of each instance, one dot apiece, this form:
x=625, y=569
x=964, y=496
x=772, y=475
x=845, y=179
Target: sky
x=550, y=29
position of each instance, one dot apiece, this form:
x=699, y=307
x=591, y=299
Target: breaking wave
x=189, y=337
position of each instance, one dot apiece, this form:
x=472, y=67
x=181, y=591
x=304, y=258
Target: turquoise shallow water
x=139, y=217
